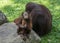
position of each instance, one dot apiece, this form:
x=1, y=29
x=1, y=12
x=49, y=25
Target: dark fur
x=41, y=18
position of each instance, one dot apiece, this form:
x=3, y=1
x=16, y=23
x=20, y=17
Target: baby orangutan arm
x=18, y=20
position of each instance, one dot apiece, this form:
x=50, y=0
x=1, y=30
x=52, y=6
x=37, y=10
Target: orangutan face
x=25, y=15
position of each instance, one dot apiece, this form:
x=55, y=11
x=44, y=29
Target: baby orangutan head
x=25, y=15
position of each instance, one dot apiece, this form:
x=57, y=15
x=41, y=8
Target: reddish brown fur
x=22, y=21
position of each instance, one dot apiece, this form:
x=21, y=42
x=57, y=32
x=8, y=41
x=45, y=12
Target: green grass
x=14, y=8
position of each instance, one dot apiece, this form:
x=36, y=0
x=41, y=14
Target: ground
x=14, y=8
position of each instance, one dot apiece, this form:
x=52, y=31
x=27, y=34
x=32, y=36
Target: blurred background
x=13, y=9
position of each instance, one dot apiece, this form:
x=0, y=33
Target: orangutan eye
x=26, y=14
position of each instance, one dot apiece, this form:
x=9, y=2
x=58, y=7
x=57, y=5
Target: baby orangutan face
x=25, y=15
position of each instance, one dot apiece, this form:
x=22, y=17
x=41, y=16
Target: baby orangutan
x=25, y=24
